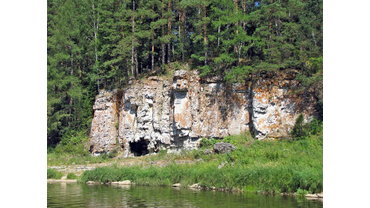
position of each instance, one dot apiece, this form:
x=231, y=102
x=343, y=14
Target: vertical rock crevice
x=176, y=114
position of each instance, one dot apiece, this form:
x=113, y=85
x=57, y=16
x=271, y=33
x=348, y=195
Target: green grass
x=54, y=174
x=74, y=148
x=55, y=159
x=71, y=176
x=274, y=166
x=267, y=166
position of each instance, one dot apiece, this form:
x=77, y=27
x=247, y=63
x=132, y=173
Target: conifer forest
x=102, y=44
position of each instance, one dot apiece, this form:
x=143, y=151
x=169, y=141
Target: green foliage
x=74, y=148
x=74, y=143
x=69, y=159
x=54, y=174
x=162, y=153
x=239, y=140
x=113, y=153
x=208, y=143
x=93, y=45
x=301, y=192
x=298, y=131
x=71, y=176
x=267, y=166
x=301, y=130
x=238, y=74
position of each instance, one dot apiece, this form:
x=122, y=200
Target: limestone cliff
x=177, y=113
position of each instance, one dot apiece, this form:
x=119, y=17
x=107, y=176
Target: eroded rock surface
x=223, y=147
x=104, y=134
x=174, y=114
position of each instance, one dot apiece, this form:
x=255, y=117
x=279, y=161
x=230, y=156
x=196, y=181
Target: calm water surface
x=82, y=195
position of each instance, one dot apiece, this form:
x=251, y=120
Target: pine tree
x=64, y=60
x=71, y=86
x=96, y=44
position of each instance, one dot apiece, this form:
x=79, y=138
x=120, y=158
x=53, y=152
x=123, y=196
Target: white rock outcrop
x=176, y=114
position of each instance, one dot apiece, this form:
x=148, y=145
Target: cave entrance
x=140, y=147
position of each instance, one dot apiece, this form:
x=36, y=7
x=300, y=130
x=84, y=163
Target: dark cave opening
x=140, y=147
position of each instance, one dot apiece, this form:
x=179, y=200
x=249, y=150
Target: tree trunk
x=163, y=54
x=205, y=25
x=183, y=41
x=153, y=46
x=132, y=59
x=205, y=34
x=205, y=56
x=313, y=36
x=152, y=52
x=180, y=19
x=79, y=66
x=239, y=51
x=169, y=33
x=168, y=53
x=70, y=101
x=137, y=65
x=218, y=35
x=133, y=32
x=163, y=45
x=237, y=24
x=96, y=26
x=236, y=10
x=244, y=22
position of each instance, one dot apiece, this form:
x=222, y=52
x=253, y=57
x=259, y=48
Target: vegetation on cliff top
x=95, y=44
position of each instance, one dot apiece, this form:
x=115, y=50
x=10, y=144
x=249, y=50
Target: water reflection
x=81, y=195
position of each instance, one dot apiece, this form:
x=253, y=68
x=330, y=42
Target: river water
x=82, y=195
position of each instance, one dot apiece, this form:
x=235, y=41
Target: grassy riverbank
x=274, y=166
x=54, y=174
x=269, y=166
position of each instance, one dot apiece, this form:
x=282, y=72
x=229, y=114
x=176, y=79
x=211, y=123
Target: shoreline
x=62, y=181
x=267, y=167
x=128, y=183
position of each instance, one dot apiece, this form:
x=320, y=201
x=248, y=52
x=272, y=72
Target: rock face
x=103, y=128
x=174, y=114
x=223, y=147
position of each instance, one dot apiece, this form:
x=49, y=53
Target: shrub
x=113, y=153
x=301, y=130
x=71, y=176
x=74, y=143
x=301, y=192
x=52, y=173
x=208, y=143
x=315, y=127
x=239, y=140
x=297, y=131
